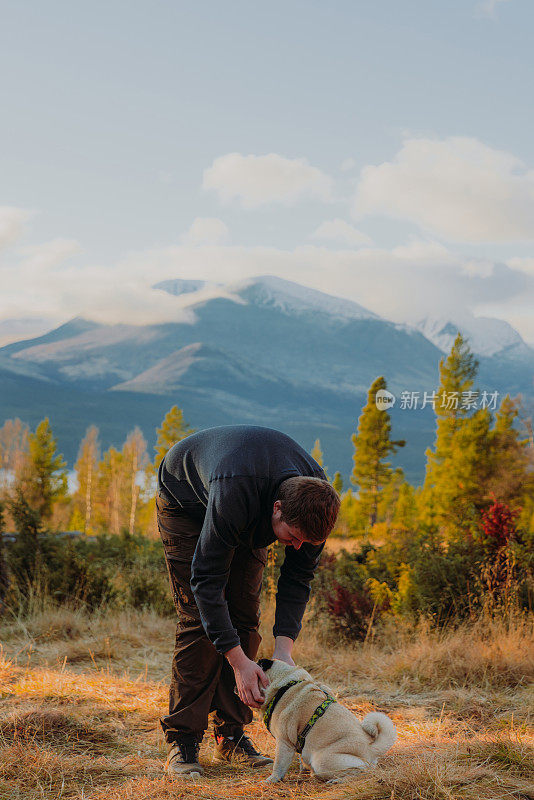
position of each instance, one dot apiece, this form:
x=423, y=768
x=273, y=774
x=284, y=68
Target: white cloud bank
x=258, y=180
x=458, y=188
x=12, y=221
x=403, y=283
x=487, y=7
x=340, y=231
x=206, y=230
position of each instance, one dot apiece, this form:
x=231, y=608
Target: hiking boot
x=239, y=749
x=182, y=761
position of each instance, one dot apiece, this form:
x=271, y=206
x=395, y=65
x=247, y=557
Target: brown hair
x=309, y=504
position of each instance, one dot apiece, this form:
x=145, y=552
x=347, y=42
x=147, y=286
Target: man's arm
x=233, y=505
x=293, y=592
x=232, y=508
x=283, y=647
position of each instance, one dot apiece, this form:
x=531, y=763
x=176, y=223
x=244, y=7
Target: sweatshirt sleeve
x=233, y=506
x=293, y=591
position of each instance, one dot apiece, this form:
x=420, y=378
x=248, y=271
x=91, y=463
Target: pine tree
x=86, y=472
x=389, y=496
x=25, y=555
x=337, y=482
x=372, y=446
x=405, y=514
x=173, y=429
x=457, y=467
x=44, y=476
x=317, y=455
x=510, y=478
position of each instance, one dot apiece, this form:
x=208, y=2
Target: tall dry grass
x=80, y=698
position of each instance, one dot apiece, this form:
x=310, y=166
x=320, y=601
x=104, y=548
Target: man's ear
x=265, y=664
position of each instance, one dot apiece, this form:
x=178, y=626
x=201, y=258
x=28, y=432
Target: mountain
x=264, y=350
x=486, y=336
x=15, y=329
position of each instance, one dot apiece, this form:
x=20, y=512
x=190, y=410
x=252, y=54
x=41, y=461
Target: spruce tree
x=317, y=455
x=44, y=476
x=457, y=467
x=25, y=554
x=173, y=429
x=372, y=447
x=405, y=513
x=510, y=478
x=337, y=482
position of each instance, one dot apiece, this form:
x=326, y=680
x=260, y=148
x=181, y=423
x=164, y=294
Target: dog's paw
x=272, y=779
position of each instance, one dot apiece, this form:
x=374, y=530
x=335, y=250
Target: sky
x=380, y=151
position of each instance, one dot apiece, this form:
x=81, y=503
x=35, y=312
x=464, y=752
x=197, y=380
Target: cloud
x=12, y=221
x=487, y=7
x=341, y=231
x=404, y=283
x=206, y=230
x=523, y=264
x=50, y=254
x=457, y=188
x=257, y=180
x=348, y=164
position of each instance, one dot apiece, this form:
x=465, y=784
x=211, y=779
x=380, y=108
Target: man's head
x=305, y=510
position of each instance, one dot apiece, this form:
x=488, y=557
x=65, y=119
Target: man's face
x=286, y=534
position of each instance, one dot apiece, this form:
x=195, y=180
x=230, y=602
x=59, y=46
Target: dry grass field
x=80, y=698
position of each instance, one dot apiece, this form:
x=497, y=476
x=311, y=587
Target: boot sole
x=242, y=762
x=193, y=775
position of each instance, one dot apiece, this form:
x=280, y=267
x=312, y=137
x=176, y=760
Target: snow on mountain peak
x=487, y=336
x=291, y=297
x=265, y=290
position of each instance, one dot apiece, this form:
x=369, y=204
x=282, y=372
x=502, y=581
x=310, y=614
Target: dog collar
x=267, y=714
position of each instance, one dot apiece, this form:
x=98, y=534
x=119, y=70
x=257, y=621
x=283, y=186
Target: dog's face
x=279, y=673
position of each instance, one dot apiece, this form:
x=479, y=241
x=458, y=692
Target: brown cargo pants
x=202, y=680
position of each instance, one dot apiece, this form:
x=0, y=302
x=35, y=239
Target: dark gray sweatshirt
x=232, y=474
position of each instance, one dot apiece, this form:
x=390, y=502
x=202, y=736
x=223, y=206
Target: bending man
x=224, y=494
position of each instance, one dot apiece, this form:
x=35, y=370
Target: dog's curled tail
x=381, y=729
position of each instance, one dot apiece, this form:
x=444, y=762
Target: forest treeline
x=460, y=542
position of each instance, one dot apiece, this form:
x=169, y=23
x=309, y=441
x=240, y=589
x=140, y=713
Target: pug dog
x=336, y=745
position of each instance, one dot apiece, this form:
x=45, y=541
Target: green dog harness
x=317, y=714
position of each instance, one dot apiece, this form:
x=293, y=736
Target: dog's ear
x=265, y=664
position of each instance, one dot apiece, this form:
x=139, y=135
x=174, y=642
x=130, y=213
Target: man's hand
x=249, y=677
x=283, y=647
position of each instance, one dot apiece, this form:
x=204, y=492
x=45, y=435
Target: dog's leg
x=335, y=768
x=304, y=768
x=282, y=761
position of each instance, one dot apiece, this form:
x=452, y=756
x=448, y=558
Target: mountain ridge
x=258, y=350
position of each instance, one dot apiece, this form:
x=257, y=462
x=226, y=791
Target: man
x=224, y=494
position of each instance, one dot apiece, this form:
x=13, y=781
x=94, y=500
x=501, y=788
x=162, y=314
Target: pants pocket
x=252, y=566
x=180, y=578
